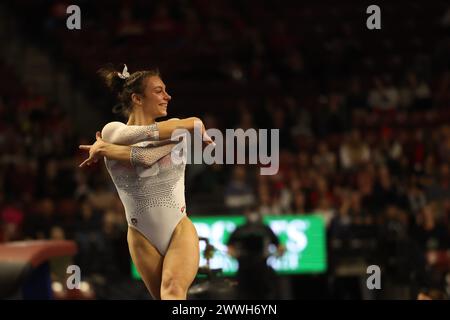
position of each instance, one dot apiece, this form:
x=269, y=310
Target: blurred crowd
x=364, y=125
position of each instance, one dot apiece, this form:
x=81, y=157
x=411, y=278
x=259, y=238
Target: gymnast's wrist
x=103, y=149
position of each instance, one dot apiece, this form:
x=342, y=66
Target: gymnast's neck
x=139, y=118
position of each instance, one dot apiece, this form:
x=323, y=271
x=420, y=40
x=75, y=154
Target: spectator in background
x=279, y=39
x=268, y=204
x=385, y=191
x=354, y=152
x=48, y=179
x=57, y=16
x=39, y=223
x=398, y=253
x=384, y=95
x=406, y=92
x=347, y=216
x=110, y=250
x=440, y=189
x=233, y=70
x=11, y=221
x=192, y=29
x=444, y=144
x=293, y=66
x=238, y=193
x=161, y=22
x=356, y=98
x=58, y=265
x=430, y=232
x=325, y=209
x=416, y=198
x=128, y=26
x=300, y=118
x=101, y=197
x=334, y=119
x=88, y=236
x=324, y=158
x=303, y=162
x=441, y=94
x=320, y=190
x=284, y=193
x=298, y=203
x=57, y=233
x=416, y=93
x=246, y=120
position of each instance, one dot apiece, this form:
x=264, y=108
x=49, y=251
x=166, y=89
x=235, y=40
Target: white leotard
x=151, y=185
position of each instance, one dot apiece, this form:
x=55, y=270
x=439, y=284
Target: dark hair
x=124, y=88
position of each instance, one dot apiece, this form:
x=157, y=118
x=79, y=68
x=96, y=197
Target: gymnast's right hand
x=94, y=151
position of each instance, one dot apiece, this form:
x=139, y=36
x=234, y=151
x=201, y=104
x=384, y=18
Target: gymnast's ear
x=136, y=99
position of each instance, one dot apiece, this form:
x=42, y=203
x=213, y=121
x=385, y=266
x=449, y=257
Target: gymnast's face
x=155, y=98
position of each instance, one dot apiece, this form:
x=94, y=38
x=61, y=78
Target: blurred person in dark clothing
x=395, y=237
x=238, y=192
x=356, y=97
x=401, y=257
x=115, y=255
x=416, y=197
x=440, y=189
x=333, y=119
x=55, y=178
x=88, y=236
x=38, y=224
x=430, y=232
x=250, y=244
x=385, y=191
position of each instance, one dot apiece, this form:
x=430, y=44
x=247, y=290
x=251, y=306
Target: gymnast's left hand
x=94, y=150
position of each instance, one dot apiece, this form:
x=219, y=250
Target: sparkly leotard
x=151, y=185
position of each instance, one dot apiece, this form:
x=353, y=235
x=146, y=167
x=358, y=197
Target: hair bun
x=111, y=78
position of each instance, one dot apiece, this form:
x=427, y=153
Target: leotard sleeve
x=119, y=133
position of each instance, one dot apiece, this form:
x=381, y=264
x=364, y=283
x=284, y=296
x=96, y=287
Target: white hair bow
x=124, y=73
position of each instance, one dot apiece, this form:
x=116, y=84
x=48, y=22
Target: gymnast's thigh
x=182, y=258
x=147, y=259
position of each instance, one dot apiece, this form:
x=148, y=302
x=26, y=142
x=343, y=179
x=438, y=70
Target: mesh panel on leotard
x=147, y=156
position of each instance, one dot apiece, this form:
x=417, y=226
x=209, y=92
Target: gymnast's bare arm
x=166, y=128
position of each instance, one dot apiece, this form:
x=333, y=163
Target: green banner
x=303, y=236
